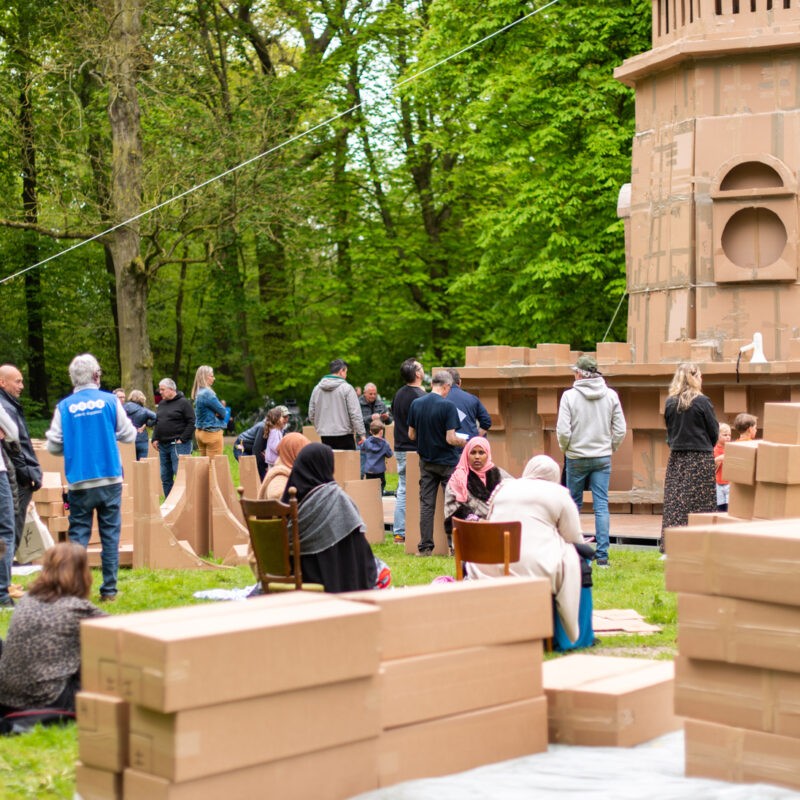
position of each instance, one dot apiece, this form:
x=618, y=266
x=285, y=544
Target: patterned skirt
x=689, y=487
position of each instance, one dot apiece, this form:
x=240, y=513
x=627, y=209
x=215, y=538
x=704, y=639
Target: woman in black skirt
x=692, y=432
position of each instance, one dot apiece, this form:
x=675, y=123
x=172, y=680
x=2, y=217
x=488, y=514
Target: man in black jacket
x=173, y=432
x=26, y=465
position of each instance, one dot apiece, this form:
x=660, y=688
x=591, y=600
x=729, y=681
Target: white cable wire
x=271, y=150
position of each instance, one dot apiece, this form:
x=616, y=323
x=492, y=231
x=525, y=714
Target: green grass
x=40, y=764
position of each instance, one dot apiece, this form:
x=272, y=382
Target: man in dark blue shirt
x=432, y=423
x=474, y=419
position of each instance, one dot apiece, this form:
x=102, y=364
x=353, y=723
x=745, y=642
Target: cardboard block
x=519, y=356
x=331, y=774
x=776, y=501
x=411, y=688
x=676, y=351
x=346, y=466
x=57, y=525
x=552, y=354
x=471, y=356
x=734, y=399
x=732, y=694
x=237, y=556
x=224, y=481
x=608, y=702
x=739, y=631
x=782, y=423
x=736, y=754
x=97, y=784
x=740, y=462
x=463, y=741
x=742, y=500
x=101, y=638
x=712, y=518
x=226, y=528
x=367, y=496
x=436, y=618
x=53, y=509
x=178, y=665
x=215, y=739
x=102, y=722
x=749, y=560
x=248, y=475
x=613, y=353
x=186, y=510
x=494, y=356
x=310, y=432
x=778, y=463
x=547, y=401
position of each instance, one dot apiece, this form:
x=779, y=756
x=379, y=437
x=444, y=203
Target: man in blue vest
x=86, y=427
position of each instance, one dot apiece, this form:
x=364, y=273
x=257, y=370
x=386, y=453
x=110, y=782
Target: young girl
x=276, y=421
x=723, y=487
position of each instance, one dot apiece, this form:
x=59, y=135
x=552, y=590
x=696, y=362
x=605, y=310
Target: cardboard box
x=102, y=723
x=455, y=616
x=55, y=509
x=463, y=741
x=739, y=755
x=776, y=501
x=179, y=665
x=214, y=739
x=778, y=463
x=610, y=702
x=758, y=560
x=52, y=490
x=739, y=631
x=331, y=774
x=101, y=639
x=733, y=694
x=412, y=688
x=742, y=501
x=782, y=423
x=97, y=784
x=739, y=465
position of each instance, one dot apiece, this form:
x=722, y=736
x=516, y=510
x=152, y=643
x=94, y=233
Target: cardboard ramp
x=619, y=621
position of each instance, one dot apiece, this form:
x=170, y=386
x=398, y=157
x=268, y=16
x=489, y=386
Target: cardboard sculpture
x=226, y=521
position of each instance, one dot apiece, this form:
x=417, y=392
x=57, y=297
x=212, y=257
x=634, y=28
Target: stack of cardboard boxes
x=311, y=695
x=737, y=675
x=49, y=502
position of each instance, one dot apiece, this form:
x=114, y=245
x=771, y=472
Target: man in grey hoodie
x=334, y=409
x=590, y=427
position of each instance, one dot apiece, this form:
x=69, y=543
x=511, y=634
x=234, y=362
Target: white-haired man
x=86, y=427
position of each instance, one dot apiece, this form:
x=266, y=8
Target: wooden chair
x=278, y=563
x=485, y=542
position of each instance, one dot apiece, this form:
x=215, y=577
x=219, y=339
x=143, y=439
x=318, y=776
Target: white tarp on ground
x=653, y=771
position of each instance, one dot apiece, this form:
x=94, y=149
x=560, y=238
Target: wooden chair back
x=484, y=542
x=276, y=543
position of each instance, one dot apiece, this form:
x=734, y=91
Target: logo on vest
x=87, y=405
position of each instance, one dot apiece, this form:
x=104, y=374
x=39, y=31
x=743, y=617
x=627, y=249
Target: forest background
x=473, y=204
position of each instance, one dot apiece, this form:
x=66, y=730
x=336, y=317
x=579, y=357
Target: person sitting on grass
x=40, y=664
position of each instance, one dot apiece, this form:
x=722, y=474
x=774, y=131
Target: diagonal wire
x=271, y=150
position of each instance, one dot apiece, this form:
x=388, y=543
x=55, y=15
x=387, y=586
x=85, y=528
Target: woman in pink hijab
x=473, y=483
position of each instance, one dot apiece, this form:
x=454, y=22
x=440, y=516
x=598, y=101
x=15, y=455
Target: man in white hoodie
x=334, y=409
x=590, y=427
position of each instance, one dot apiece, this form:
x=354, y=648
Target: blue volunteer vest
x=89, y=425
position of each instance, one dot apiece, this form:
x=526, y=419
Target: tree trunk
x=136, y=359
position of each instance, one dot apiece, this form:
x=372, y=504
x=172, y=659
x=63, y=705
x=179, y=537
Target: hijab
x=312, y=467
x=290, y=446
x=458, y=480
x=543, y=468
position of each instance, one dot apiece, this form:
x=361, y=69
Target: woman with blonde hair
x=41, y=658
x=692, y=432
x=211, y=417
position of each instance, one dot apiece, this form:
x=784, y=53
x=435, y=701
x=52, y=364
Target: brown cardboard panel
x=712, y=518
x=739, y=631
x=101, y=639
x=331, y=774
x=97, y=784
x=102, y=723
x=605, y=701
x=173, y=666
x=732, y=694
x=463, y=741
x=758, y=560
x=347, y=466
x=739, y=755
x=367, y=496
x=248, y=475
x=552, y=354
x=776, y=501
x=186, y=510
x=740, y=462
x=742, y=500
x=419, y=620
x=411, y=688
x=782, y=423
x=226, y=527
x=215, y=739
x=778, y=463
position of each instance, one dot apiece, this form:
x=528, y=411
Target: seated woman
x=40, y=664
x=334, y=549
x=474, y=480
x=274, y=483
x=550, y=530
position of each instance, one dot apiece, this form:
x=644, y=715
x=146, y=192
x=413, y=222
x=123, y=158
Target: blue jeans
x=6, y=534
x=399, y=526
x=142, y=449
x=108, y=502
x=168, y=457
x=594, y=474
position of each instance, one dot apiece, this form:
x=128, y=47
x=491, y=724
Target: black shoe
x=108, y=598
x=7, y=603
x=602, y=563
x=424, y=553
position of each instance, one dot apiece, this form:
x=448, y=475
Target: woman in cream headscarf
x=550, y=529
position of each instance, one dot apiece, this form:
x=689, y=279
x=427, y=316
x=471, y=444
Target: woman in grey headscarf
x=550, y=529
